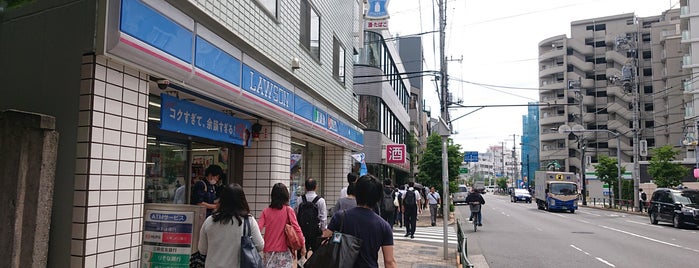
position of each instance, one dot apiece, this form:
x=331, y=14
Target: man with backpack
x=311, y=214
x=641, y=198
x=388, y=209
x=411, y=204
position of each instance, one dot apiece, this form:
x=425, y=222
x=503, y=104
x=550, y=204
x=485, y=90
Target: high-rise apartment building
x=603, y=78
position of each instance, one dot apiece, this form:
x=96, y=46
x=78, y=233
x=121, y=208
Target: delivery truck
x=556, y=190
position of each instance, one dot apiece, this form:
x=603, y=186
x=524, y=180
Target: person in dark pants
x=433, y=199
x=641, y=199
x=388, y=209
x=410, y=209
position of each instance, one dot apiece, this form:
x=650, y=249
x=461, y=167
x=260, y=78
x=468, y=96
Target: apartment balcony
x=588, y=83
x=552, y=120
x=617, y=57
x=619, y=126
x=620, y=110
x=551, y=136
x=589, y=118
x=551, y=54
x=588, y=100
x=551, y=85
x=625, y=146
x=552, y=153
x=581, y=64
x=619, y=93
x=580, y=46
x=551, y=69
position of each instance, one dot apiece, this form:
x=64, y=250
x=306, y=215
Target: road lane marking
x=597, y=258
x=644, y=223
x=503, y=213
x=590, y=213
x=540, y=230
x=605, y=262
x=649, y=239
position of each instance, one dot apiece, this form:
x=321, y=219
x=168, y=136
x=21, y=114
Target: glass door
x=166, y=170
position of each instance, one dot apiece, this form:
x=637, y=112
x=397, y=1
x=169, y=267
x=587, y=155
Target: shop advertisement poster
x=185, y=117
x=167, y=239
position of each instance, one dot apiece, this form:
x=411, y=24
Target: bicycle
x=475, y=208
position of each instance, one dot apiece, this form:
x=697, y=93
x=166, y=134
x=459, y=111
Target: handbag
x=292, y=238
x=197, y=260
x=249, y=256
x=337, y=251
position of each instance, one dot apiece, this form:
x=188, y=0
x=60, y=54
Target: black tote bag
x=249, y=256
x=337, y=251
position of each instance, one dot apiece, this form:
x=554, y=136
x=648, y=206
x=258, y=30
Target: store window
x=174, y=161
x=307, y=161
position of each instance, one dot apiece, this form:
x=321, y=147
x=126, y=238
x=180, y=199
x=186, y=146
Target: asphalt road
x=520, y=235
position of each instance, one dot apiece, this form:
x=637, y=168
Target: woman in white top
x=219, y=237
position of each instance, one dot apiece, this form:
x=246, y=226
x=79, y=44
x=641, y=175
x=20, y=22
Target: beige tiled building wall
x=110, y=165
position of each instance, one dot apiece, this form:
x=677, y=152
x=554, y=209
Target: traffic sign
x=463, y=171
x=470, y=156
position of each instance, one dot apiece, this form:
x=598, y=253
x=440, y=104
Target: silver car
x=460, y=195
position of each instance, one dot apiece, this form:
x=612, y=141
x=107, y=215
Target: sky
x=498, y=44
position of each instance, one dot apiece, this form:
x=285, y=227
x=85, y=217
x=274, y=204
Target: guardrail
x=620, y=204
x=462, y=246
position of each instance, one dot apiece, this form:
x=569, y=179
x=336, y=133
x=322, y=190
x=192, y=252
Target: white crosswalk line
x=427, y=234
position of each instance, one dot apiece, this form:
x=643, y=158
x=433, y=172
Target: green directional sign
x=463, y=170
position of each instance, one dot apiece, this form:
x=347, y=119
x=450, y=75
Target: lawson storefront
x=166, y=98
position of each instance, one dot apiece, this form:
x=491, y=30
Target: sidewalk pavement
x=417, y=254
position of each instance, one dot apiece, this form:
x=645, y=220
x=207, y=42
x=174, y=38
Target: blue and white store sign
x=188, y=118
x=158, y=36
x=377, y=9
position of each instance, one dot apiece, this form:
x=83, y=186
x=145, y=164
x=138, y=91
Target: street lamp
x=563, y=129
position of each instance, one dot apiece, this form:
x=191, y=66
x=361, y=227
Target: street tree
x=664, y=172
x=431, y=163
x=502, y=183
x=607, y=172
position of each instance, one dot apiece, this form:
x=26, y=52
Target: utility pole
x=514, y=159
x=445, y=117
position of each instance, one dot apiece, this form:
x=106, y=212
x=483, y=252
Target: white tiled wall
x=110, y=166
x=266, y=162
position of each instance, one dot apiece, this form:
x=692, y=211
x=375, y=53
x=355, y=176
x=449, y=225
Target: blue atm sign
x=470, y=156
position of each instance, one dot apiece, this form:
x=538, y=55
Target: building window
x=310, y=29
x=648, y=107
x=601, y=77
x=338, y=61
x=646, y=55
x=645, y=37
x=650, y=124
x=648, y=89
x=647, y=72
x=600, y=60
x=271, y=6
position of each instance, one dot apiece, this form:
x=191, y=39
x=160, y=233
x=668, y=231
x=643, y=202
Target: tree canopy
x=607, y=172
x=431, y=162
x=664, y=172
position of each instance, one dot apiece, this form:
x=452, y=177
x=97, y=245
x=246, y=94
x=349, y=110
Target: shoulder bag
x=292, y=240
x=249, y=256
x=337, y=251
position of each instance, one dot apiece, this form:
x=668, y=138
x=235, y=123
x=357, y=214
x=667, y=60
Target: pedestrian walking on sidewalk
x=433, y=199
x=401, y=193
x=411, y=206
x=388, y=209
x=363, y=223
x=641, y=198
x=273, y=221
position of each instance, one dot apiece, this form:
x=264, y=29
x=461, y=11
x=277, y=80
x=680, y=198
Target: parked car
x=680, y=207
x=460, y=196
x=520, y=195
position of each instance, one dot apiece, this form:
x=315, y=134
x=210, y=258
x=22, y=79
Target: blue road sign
x=471, y=157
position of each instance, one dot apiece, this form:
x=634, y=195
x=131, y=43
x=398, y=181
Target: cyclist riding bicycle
x=475, y=199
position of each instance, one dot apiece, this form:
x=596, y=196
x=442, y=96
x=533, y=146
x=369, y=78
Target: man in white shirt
x=433, y=199
x=312, y=236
